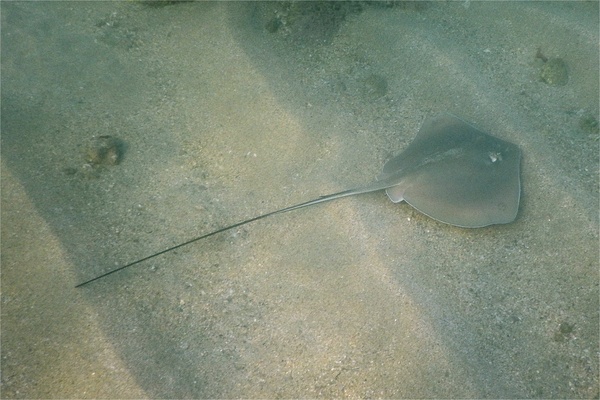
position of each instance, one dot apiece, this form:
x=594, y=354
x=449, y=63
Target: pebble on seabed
x=103, y=150
x=554, y=72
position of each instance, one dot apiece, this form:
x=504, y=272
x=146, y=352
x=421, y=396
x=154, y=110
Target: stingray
x=451, y=171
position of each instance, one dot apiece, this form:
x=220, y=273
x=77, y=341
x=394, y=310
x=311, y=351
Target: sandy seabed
x=223, y=111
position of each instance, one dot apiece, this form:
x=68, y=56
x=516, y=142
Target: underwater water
x=128, y=127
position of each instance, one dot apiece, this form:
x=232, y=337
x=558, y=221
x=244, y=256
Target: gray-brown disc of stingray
x=451, y=171
x=457, y=174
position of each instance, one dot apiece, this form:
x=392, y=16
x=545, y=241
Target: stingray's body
x=452, y=172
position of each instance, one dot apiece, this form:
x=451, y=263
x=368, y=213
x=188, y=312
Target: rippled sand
x=223, y=111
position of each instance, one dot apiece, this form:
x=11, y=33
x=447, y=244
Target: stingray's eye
x=494, y=156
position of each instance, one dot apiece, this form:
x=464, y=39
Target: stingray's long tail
x=365, y=189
